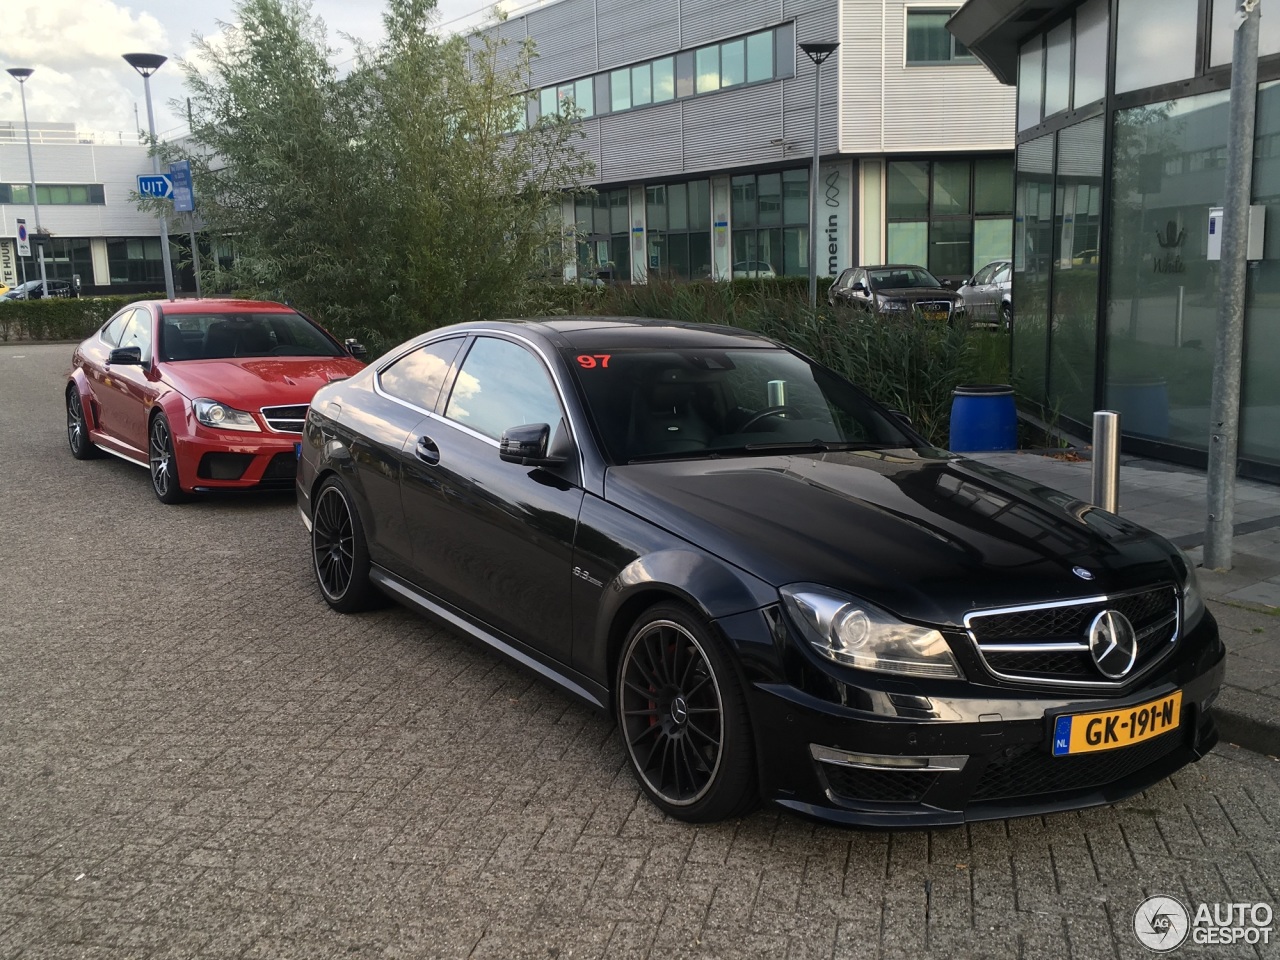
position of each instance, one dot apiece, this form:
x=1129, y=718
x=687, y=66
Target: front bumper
x=895, y=754
x=211, y=461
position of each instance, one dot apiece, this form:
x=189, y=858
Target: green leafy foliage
x=393, y=198
x=60, y=318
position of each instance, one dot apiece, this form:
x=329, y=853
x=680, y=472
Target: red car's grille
x=286, y=419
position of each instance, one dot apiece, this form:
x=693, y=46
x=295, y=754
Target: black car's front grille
x=1050, y=643
x=286, y=419
x=1028, y=770
x=877, y=786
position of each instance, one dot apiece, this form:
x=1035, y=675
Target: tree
x=403, y=195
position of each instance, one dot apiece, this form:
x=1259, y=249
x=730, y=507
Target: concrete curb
x=1243, y=726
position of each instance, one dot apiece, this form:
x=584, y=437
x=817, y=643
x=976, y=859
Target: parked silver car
x=987, y=296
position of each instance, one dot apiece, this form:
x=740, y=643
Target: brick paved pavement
x=197, y=759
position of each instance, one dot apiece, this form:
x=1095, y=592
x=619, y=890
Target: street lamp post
x=146, y=64
x=818, y=53
x=20, y=74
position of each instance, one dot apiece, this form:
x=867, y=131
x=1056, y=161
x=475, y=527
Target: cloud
x=75, y=47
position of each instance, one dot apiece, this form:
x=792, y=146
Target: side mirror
x=859, y=287
x=123, y=356
x=355, y=348
x=530, y=445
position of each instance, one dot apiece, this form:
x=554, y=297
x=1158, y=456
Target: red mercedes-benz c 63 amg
x=208, y=394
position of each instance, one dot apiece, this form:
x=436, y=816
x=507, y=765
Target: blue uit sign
x=155, y=185
x=184, y=193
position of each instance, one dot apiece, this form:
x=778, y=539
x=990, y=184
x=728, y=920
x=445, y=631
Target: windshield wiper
x=817, y=446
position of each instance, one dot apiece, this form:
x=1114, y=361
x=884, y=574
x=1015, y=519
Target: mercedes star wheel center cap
x=1113, y=643
x=679, y=710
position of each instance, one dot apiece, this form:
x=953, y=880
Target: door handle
x=427, y=451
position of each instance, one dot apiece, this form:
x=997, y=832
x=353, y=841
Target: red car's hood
x=255, y=382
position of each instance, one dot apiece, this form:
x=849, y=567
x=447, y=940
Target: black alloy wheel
x=82, y=448
x=164, y=465
x=683, y=718
x=339, y=552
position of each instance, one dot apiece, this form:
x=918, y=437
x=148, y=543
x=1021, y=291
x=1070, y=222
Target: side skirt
x=567, y=680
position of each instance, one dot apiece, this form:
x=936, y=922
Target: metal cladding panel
x=565, y=34
x=798, y=105
x=947, y=107
x=704, y=21
x=509, y=35
x=644, y=143
x=861, y=77
x=115, y=167
x=630, y=32
x=733, y=128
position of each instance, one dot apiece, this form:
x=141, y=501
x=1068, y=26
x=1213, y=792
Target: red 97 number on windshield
x=589, y=361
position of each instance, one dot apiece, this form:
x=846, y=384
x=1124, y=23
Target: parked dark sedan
x=34, y=290
x=774, y=585
x=894, y=289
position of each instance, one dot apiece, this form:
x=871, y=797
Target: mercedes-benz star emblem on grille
x=1113, y=644
x=1082, y=573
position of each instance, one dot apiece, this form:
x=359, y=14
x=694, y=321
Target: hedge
x=60, y=318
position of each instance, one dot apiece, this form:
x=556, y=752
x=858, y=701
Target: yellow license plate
x=934, y=314
x=1109, y=729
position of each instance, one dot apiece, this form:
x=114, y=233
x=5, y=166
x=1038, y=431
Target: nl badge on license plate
x=1109, y=729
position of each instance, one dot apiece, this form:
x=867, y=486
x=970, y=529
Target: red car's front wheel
x=164, y=465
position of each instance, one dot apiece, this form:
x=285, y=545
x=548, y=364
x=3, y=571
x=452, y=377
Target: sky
x=75, y=48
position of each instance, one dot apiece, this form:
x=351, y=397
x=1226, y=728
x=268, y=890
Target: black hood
x=924, y=534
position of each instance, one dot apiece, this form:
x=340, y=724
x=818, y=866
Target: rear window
x=221, y=336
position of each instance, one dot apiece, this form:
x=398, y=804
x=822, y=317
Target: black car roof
x=612, y=333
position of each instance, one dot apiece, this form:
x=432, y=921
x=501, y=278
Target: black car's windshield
x=650, y=404
x=220, y=336
x=901, y=278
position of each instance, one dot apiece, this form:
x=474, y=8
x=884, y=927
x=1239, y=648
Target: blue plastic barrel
x=983, y=417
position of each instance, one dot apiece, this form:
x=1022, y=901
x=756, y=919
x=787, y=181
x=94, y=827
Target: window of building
x=1222, y=34
x=604, y=236
x=771, y=223
x=135, y=260
x=53, y=194
x=678, y=231
x=743, y=60
x=929, y=41
x=1155, y=42
x=951, y=215
x=1091, y=52
x=65, y=258
x=1057, y=68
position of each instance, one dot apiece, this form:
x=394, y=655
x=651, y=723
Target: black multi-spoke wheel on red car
x=164, y=466
x=82, y=447
x=339, y=551
x=683, y=718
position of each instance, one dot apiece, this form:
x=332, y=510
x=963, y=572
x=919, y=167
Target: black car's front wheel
x=82, y=448
x=163, y=463
x=339, y=552
x=684, y=719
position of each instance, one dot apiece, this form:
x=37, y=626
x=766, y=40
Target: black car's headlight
x=894, y=306
x=211, y=413
x=1192, y=598
x=853, y=632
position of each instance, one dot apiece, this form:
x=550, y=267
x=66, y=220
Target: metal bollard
x=1106, y=460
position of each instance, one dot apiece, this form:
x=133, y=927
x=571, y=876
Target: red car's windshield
x=219, y=336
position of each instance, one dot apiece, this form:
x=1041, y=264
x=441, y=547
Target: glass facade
x=678, y=230
x=1115, y=276
x=929, y=42
x=135, y=260
x=771, y=223
x=951, y=215
x=53, y=194
x=65, y=258
x=604, y=252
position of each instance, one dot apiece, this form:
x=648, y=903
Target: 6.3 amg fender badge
x=1113, y=644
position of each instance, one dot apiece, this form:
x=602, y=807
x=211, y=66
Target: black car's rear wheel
x=683, y=718
x=164, y=465
x=339, y=552
x=82, y=448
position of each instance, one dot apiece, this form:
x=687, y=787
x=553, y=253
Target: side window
x=983, y=276
x=111, y=332
x=1002, y=275
x=417, y=377
x=502, y=385
x=138, y=333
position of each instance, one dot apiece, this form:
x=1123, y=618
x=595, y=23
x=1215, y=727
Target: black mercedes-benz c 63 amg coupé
x=776, y=587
